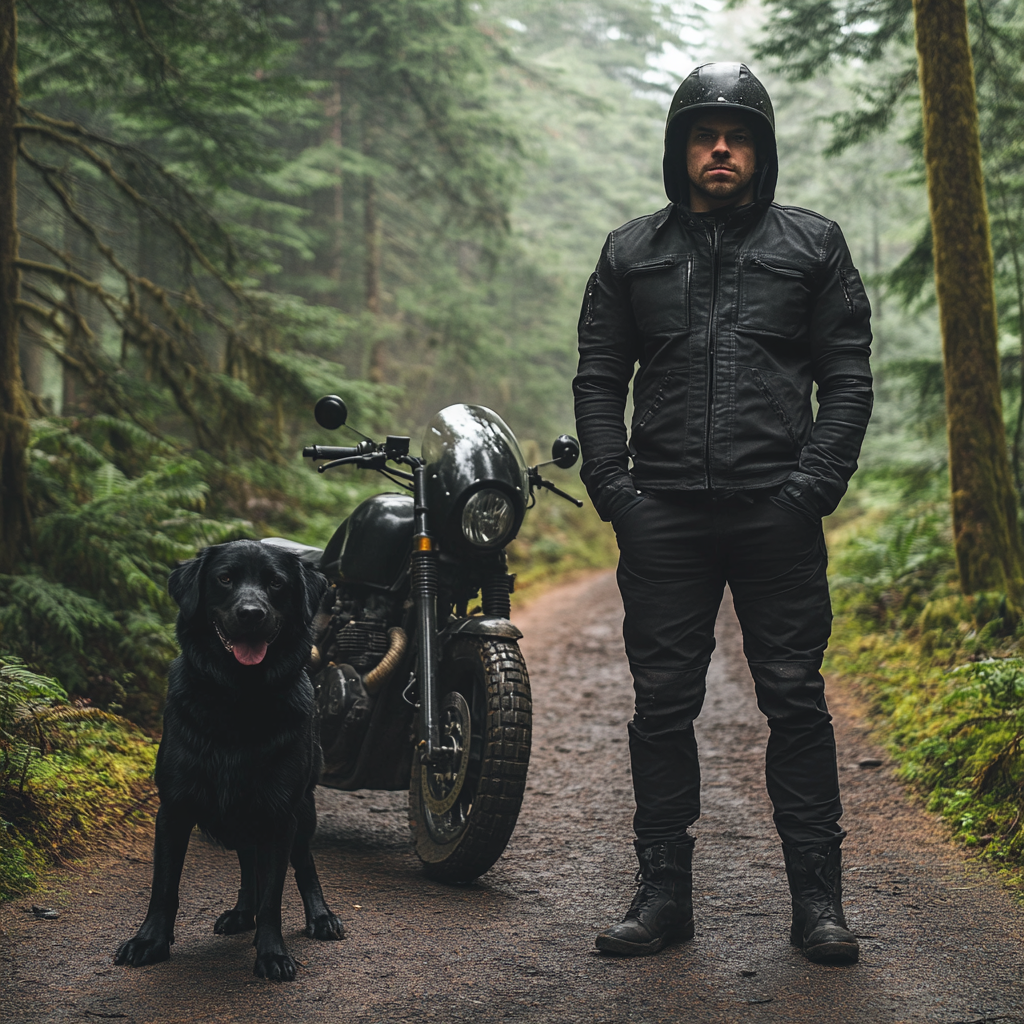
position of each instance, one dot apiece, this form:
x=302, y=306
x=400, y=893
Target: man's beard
x=721, y=189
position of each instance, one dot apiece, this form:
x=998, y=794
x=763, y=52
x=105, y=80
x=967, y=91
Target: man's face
x=721, y=158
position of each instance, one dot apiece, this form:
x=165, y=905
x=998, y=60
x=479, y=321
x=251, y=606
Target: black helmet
x=720, y=86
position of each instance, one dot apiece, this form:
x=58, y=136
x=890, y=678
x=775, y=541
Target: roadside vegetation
x=941, y=673
x=72, y=776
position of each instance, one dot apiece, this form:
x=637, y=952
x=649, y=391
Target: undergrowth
x=942, y=672
x=71, y=776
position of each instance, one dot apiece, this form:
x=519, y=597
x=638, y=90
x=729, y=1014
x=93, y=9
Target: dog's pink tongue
x=250, y=653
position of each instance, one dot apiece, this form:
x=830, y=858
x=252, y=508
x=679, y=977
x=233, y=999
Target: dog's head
x=248, y=596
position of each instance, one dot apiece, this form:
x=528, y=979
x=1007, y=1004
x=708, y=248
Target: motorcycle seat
x=306, y=552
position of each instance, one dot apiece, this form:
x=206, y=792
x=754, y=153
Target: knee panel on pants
x=667, y=702
x=790, y=693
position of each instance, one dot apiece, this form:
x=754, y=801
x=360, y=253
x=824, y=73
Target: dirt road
x=940, y=940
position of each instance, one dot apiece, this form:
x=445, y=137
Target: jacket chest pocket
x=775, y=298
x=659, y=291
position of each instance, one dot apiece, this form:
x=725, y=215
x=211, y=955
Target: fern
x=893, y=568
x=115, y=509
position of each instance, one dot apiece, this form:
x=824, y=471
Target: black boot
x=816, y=885
x=662, y=910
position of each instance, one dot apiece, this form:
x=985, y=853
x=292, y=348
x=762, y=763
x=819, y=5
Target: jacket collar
x=734, y=218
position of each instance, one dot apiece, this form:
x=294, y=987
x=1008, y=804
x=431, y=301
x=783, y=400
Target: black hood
x=720, y=86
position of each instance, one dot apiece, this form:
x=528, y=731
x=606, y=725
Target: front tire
x=462, y=819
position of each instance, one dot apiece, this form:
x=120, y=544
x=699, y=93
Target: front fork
x=423, y=580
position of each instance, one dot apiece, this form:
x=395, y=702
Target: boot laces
x=647, y=894
x=821, y=891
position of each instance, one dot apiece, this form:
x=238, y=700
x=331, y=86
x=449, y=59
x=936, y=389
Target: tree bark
x=14, y=516
x=986, y=533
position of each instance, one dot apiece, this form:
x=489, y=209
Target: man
x=734, y=308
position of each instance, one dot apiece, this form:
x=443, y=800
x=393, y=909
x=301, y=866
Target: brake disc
x=442, y=783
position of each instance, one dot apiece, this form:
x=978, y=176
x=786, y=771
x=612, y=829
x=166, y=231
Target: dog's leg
x=272, y=958
x=320, y=922
x=242, y=917
x=153, y=941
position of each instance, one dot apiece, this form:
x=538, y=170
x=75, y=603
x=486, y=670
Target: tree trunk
x=371, y=245
x=14, y=518
x=371, y=255
x=986, y=532
x=337, y=192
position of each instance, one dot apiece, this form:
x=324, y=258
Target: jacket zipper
x=589, y=318
x=714, y=237
x=776, y=269
x=669, y=261
x=846, y=290
x=686, y=297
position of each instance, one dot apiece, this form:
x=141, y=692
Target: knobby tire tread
x=506, y=758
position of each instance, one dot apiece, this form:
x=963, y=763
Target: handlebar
x=321, y=451
x=365, y=455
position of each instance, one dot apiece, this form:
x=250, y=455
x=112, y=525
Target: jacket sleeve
x=840, y=336
x=608, y=343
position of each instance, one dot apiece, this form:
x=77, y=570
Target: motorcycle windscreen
x=467, y=448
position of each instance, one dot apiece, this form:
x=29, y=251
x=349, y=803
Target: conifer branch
x=140, y=23
x=184, y=236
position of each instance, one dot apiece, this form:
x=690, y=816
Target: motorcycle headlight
x=487, y=518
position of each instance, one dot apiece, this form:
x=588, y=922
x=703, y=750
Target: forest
x=214, y=213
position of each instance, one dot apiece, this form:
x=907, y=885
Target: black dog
x=239, y=755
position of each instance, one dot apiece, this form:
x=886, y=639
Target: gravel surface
x=940, y=939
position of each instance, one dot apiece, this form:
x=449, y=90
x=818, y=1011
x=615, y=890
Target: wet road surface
x=940, y=939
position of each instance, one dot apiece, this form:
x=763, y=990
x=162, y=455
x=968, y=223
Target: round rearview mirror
x=331, y=412
x=565, y=451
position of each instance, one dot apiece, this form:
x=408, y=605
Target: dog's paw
x=140, y=951
x=231, y=922
x=276, y=966
x=326, y=926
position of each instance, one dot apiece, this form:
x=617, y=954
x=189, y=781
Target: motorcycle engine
x=360, y=644
x=360, y=636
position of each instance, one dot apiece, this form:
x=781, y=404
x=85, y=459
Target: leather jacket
x=732, y=318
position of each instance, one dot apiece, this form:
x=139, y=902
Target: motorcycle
x=416, y=685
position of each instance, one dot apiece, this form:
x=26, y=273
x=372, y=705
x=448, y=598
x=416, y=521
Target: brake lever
x=374, y=460
x=548, y=486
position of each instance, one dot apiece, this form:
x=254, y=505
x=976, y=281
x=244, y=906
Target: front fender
x=480, y=625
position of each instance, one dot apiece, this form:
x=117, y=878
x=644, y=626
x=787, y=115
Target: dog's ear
x=314, y=586
x=185, y=584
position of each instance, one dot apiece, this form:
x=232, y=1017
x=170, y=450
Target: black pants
x=676, y=555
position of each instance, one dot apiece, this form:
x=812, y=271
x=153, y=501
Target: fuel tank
x=373, y=545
